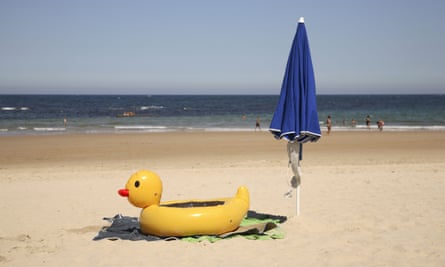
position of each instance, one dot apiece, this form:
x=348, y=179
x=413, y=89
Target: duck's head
x=144, y=188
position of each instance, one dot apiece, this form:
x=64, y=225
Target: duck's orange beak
x=123, y=192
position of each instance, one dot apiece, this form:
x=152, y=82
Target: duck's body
x=183, y=218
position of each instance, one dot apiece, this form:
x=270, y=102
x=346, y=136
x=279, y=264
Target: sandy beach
x=368, y=198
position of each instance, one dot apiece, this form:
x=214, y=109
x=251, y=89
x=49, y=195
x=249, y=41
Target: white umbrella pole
x=297, y=196
x=293, y=150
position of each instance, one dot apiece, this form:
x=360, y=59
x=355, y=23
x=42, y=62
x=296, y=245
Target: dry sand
x=368, y=198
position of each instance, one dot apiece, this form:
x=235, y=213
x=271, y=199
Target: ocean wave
x=14, y=108
x=49, y=129
x=139, y=127
x=151, y=107
x=390, y=128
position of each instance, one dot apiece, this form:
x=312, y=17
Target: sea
x=62, y=114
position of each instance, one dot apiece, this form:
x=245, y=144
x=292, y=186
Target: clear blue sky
x=214, y=47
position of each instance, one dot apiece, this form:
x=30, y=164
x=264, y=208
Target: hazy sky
x=214, y=47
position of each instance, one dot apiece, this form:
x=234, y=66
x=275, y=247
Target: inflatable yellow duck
x=183, y=218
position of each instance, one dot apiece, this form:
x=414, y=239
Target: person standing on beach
x=329, y=124
x=368, y=122
x=258, y=124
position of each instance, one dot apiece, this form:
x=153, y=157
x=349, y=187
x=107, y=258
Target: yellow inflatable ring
x=183, y=218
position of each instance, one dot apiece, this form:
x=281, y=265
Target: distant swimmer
x=380, y=124
x=353, y=123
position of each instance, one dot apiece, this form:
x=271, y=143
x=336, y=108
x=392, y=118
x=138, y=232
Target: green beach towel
x=255, y=226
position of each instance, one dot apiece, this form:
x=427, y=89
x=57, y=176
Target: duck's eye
x=136, y=184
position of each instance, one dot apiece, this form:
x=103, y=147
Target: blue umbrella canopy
x=295, y=118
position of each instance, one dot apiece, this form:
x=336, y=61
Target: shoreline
x=141, y=129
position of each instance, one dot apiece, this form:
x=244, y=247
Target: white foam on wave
x=139, y=127
x=14, y=108
x=216, y=129
x=49, y=129
x=415, y=128
x=393, y=128
x=151, y=107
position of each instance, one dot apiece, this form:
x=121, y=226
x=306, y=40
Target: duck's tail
x=243, y=193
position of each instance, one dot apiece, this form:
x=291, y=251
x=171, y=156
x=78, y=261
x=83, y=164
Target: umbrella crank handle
x=295, y=181
x=294, y=160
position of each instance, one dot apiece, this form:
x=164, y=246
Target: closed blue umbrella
x=295, y=118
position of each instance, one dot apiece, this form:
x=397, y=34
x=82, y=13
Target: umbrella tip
x=301, y=20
